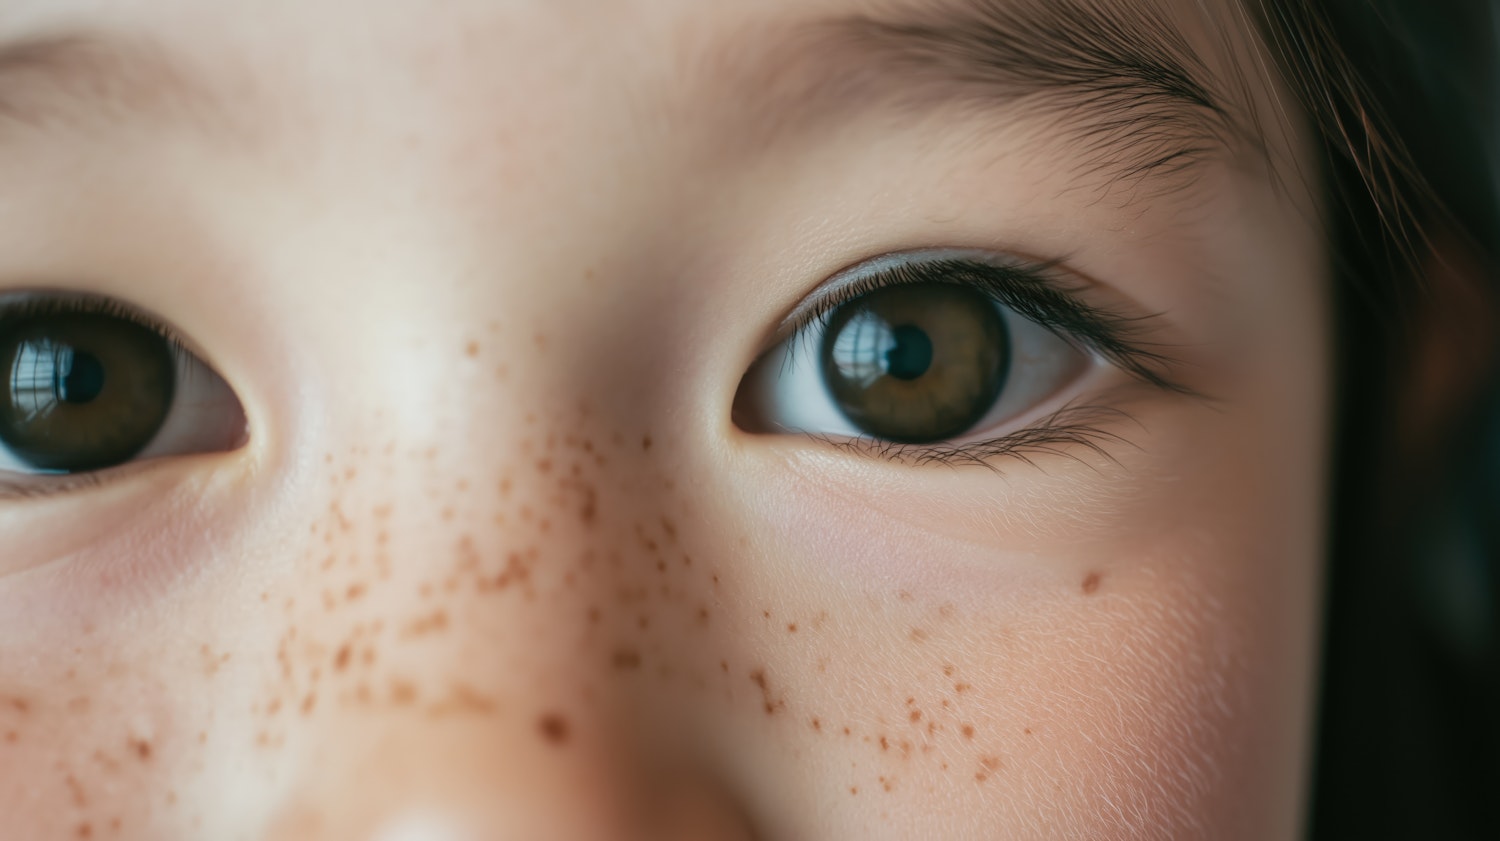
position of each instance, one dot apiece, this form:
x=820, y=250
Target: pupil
x=911, y=354
x=81, y=377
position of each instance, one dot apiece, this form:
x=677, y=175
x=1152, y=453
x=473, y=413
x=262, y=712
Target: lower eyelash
x=1063, y=433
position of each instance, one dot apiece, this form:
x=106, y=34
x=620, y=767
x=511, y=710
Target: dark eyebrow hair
x=1119, y=78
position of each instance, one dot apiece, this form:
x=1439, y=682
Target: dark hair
x=1403, y=94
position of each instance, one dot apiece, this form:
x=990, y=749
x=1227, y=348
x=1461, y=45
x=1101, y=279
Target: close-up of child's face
x=656, y=419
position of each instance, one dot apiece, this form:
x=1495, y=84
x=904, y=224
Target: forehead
x=1169, y=71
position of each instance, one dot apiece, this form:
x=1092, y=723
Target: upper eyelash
x=1036, y=292
x=29, y=304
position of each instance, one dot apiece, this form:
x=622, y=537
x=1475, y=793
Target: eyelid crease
x=1038, y=292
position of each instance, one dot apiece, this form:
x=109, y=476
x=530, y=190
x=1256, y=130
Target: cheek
x=97, y=731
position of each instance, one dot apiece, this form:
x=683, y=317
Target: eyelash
x=1045, y=296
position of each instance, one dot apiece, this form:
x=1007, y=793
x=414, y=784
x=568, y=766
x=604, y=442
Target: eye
x=90, y=385
x=931, y=351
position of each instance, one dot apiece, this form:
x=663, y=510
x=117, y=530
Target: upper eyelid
x=1117, y=337
x=808, y=310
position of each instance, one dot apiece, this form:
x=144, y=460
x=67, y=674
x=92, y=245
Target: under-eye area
x=950, y=356
x=93, y=384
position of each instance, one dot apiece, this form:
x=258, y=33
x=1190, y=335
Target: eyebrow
x=1120, y=79
x=84, y=82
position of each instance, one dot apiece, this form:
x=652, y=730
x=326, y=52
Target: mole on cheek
x=1091, y=583
x=554, y=729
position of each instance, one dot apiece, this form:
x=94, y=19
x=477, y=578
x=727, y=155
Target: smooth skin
x=496, y=562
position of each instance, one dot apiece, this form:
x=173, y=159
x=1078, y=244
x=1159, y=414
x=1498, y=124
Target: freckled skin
x=494, y=557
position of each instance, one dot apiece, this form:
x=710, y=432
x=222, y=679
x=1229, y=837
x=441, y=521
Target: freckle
x=988, y=765
x=12, y=737
x=853, y=790
x=142, y=750
x=554, y=728
x=791, y=628
x=341, y=660
x=948, y=671
x=80, y=797
x=20, y=705
x=1091, y=583
x=435, y=622
x=916, y=716
x=78, y=706
x=626, y=659
x=646, y=443
x=1028, y=731
x=403, y=693
x=471, y=350
x=967, y=730
x=817, y=725
x=355, y=592
x=309, y=702
x=544, y=465
x=885, y=743
x=85, y=830
x=918, y=635
x=961, y=688
x=703, y=615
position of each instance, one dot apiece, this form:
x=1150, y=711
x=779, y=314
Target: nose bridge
x=486, y=603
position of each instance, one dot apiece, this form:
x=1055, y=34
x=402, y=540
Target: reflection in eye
x=935, y=351
x=89, y=385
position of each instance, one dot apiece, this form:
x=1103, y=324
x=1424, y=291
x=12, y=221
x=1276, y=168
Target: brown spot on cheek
x=771, y=705
x=554, y=729
x=1091, y=583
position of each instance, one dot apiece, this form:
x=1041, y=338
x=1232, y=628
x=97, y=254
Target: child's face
x=520, y=543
